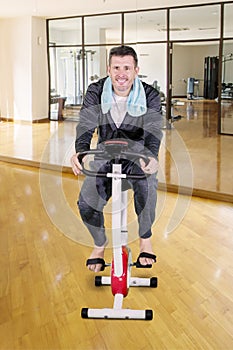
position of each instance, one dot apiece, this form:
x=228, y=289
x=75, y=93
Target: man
x=122, y=107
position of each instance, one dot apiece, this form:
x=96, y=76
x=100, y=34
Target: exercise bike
x=120, y=278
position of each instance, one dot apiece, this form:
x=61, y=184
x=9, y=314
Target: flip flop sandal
x=145, y=255
x=96, y=261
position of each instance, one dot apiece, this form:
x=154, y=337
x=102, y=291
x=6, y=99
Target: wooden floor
x=44, y=282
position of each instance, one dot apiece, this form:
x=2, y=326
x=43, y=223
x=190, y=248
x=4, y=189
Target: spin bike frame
x=120, y=278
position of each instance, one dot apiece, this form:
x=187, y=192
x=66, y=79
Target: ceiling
x=61, y=8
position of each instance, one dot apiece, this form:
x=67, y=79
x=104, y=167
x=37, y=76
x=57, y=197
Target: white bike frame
x=119, y=239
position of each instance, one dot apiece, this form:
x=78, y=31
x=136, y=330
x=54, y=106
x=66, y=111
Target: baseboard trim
x=18, y=121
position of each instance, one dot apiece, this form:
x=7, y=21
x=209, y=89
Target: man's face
x=122, y=72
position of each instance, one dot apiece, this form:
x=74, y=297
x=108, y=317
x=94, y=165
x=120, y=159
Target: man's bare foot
x=146, y=247
x=97, y=253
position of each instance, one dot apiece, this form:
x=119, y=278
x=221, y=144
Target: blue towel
x=136, y=102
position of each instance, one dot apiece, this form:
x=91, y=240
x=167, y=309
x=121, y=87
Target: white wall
x=15, y=76
x=39, y=68
x=23, y=69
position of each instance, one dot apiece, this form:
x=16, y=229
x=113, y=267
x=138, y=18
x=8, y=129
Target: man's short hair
x=123, y=51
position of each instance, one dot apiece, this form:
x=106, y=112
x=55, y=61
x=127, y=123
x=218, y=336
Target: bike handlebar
x=114, y=149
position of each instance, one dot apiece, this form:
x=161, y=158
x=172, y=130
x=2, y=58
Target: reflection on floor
x=193, y=157
x=227, y=117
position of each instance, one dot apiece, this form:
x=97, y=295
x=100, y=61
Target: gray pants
x=96, y=192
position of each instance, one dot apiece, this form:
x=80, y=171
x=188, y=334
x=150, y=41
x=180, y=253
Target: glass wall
x=79, y=46
x=228, y=24
x=66, y=77
x=194, y=56
x=188, y=65
x=65, y=62
x=145, y=26
x=149, y=27
x=151, y=73
x=201, y=22
x=227, y=88
x=102, y=29
x=227, y=73
x=67, y=31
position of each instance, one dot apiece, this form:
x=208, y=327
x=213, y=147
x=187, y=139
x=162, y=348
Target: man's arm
x=152, y=122
x=88, y=120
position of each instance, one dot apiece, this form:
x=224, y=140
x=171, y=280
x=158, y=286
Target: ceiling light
x=210, y=28
x=173, y=29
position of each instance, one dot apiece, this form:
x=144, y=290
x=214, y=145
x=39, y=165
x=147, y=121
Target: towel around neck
x=136, y=102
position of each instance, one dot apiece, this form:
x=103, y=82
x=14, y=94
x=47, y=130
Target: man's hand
x=76, y=166
x=151, y=168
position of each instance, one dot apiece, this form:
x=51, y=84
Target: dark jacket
x=143, y=133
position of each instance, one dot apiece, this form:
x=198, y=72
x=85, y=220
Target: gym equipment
x=67, y=75
x=227, y=85
x=120, y=278
x=211, y=77
x=191, y=84
x=78, y=56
